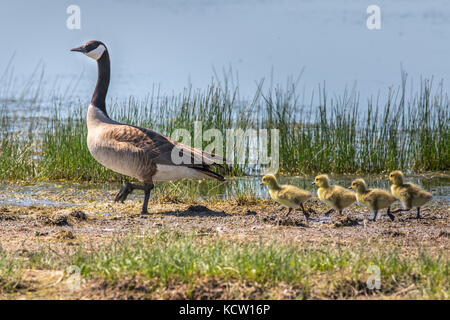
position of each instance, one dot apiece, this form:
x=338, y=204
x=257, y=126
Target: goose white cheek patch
x=96, y=53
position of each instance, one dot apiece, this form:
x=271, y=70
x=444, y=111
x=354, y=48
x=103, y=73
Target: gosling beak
x=262, y=184
x=350, y=187
x=313, y=183
x=79, y=49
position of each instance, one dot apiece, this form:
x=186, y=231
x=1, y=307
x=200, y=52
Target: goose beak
x=79, y=49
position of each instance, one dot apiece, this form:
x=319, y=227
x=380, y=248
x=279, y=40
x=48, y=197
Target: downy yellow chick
x=337, y=197
x=374, y=199
x=286, y=195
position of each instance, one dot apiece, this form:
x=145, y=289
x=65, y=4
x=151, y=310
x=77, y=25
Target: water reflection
x=47, y=194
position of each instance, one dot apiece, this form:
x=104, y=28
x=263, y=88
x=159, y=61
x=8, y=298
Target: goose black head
x=93, y=49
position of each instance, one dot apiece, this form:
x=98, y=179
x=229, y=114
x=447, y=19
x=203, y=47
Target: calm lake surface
x=175, y=43
x=43, y=194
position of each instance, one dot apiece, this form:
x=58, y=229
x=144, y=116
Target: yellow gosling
x=410, y=194
x=374, y=199
x=337, y=197
x=287, y=195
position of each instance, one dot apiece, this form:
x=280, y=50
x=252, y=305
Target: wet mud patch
x=393, y=233
x=293, y=221
x=7, y=216
x=65, y=235
x=347, y=222
x=58, y=220
x=200, y=211
x=63, y=218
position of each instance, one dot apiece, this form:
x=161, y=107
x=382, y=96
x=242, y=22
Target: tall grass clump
x=335, y=135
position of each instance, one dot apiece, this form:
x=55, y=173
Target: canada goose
x=337, y=197
x=286, y=195
x=410, y=194
x=136, y=152
x=374, y=199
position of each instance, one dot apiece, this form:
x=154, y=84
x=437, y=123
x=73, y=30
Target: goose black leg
x=147, y=189
x=389, y=214
x=128, y=188
x=123, y=193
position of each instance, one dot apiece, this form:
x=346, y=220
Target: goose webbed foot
x=123, y=193
x=128, y=188
x=400, y=210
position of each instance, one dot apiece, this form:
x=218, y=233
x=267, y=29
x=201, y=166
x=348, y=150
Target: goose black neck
x=101, y=89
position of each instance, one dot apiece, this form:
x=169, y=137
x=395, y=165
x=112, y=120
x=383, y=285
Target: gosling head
x=270, y=180
x=359, y=185
x=396, y=177
x=93, y=49
x=322, y=181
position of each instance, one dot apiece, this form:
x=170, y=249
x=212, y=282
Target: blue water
x=174, y=43
x=38, y=194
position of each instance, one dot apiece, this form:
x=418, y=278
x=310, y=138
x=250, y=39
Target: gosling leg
x=304, y=212
x=389, y=214
x=375, y=214
x=418, y=213
x=289, y=211
x=328, y=212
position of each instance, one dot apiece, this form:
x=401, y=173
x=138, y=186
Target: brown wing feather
x=158, y=147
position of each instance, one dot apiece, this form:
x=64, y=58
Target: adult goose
x=133, y=151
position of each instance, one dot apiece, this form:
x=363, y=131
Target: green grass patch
x=171, y=257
